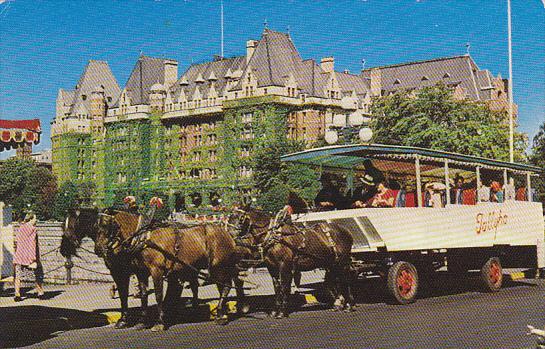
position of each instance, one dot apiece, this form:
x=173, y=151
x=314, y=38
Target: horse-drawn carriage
x=398, y=243
x=401, y=243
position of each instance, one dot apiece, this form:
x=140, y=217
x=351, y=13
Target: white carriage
x=401, y=243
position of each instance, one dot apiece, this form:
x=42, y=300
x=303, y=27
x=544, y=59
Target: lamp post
x=355, y=125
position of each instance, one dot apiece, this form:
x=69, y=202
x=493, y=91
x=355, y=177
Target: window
x=245, y=151
x=247, y=117
x=212, y=155
x=84, y=97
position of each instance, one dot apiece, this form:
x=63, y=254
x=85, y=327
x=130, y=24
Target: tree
x=86, y=191
x=26, y=186
x=275, y=179
x=432, y=118
x=66, y=199
x=537, y=157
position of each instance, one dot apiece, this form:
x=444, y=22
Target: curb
x=517, y=276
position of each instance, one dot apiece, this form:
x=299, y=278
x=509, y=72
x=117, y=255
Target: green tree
x=433, y=118
x=537, y=157
x=275, y=179
x=86, y=192
x=26, y=186
x=66, y=199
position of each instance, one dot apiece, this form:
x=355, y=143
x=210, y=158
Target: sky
x=45, y=45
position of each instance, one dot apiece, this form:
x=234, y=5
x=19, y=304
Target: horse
x=89, y=222
x=84, y=222
x=288, y=248
x=180, y=253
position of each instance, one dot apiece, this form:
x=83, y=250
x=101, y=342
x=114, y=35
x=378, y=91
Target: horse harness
x=275, y=235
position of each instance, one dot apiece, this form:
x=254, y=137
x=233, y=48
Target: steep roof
x=96, y=76
x=218, y=69
x=457, y=70
x=146, y=72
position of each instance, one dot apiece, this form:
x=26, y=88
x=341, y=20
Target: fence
x=57, y=269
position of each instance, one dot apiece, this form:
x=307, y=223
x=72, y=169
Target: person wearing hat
x=27, y=256
x=130, y=204
x=329, y=197
x=372, y=177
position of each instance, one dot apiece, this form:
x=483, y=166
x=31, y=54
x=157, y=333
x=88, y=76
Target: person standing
x=27, y=256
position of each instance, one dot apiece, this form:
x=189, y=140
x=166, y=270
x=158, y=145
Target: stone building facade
x=190, y=138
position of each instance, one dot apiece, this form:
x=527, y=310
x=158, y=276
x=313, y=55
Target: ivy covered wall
x=71, y=156
x=143, y=157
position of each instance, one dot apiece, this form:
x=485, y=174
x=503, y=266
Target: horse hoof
x=222, y=320
x=349, y=308
x=244, y=309
x=337, y=308
x=158, y=328
x=121, y=324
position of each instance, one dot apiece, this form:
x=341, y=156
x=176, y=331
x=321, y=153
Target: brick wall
x=49, y=237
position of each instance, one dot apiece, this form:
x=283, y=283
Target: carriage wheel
x=492, y=275
x=403, y=282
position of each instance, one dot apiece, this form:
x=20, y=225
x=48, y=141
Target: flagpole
x=510, y=86
x=222, y=28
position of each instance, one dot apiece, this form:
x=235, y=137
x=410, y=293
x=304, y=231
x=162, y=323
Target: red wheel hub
x=495, y=273
x=405, y=283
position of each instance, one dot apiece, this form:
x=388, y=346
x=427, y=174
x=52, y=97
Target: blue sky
x=44, y=45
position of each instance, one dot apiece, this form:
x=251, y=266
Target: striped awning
x=16, y=133
x=352, y=157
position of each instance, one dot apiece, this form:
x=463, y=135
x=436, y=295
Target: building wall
x=71, y=156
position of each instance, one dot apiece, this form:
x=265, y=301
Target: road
x=451, y=314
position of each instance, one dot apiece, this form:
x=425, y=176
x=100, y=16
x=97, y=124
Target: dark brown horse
x=85, y=222
x=179, y=253
x=289, y=248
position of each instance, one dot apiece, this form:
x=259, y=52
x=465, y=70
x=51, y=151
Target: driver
x=329, y=197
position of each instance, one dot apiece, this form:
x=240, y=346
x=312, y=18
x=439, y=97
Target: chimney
x=376, y=82
x=171, y=72
x=251, y=45
x=327, y=64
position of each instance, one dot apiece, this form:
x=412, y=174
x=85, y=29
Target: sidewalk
x=92, y=296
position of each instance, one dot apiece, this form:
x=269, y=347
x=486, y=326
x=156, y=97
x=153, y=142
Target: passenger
x=371, y=172
x=329, y=197
x=384, y=196
x=484, y=193
x=469, y=194
x=364, y=193
x=435, y=191
x=130, y=204
x=510, y=191
x=457, y=192
x=496, y=192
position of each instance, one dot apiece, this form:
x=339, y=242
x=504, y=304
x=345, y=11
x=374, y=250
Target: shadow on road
x=26, y=293
x=26, y=325
x=374, y=290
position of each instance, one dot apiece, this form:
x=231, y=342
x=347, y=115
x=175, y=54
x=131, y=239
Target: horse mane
x=258, y=216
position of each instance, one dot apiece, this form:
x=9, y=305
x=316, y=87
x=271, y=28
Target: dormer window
x=397, y=82
x=425, y=78
x=446, y=76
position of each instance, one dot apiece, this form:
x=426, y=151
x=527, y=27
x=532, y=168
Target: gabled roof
x=218, y=69
x=457, y=70
x=146, y=72
x=97, y=75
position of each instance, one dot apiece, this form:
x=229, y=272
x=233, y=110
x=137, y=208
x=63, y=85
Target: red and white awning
x=15, y=133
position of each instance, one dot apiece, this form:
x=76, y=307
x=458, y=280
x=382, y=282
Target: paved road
x=452, y=315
